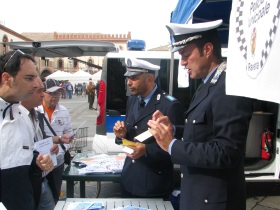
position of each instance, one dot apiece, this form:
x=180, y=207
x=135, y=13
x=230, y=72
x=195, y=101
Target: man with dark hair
x=43, y=183
x=17, y=82
x=211, y=154
x=148, y=171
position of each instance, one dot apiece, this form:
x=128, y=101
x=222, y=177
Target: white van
x=113, y=94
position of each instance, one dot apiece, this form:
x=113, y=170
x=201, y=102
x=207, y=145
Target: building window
x=46, y=62
x=75, y=63
x=60, y=64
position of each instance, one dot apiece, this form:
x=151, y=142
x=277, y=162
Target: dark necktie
x=142, y=103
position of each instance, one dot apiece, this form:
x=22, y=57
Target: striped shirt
x=61, y=124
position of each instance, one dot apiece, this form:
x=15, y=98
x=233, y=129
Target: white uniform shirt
x=61, y=124
x=16, y=136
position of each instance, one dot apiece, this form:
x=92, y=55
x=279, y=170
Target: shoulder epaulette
x=169, y=97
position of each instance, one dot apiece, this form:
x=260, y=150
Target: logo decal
x=256, y=27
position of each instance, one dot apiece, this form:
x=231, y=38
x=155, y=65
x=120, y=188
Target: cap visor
x=175, y=49
x=53, y=89
x=131, y=73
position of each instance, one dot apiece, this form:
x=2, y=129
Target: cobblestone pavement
x=260, y=196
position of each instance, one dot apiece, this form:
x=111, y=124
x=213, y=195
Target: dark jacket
x=36, y=178
x=150, y=175
x=211, y=154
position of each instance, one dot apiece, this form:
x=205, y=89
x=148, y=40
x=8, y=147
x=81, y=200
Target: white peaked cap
x=185, y=33
x=136, y=66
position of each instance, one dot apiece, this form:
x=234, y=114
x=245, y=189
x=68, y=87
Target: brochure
x=102, y=163
x=86, y=206
x=44, y=147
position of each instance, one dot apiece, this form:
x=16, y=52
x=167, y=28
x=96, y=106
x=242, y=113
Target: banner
x=253, y=68
x=184, y=10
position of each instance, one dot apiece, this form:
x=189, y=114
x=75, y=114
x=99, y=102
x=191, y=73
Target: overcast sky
x=145, y=19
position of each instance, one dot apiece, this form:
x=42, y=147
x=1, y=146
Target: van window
x=116, y=87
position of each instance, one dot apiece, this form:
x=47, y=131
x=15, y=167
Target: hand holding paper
x=44, y=147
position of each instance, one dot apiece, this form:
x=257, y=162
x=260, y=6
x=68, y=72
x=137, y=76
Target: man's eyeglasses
x=56, y=93
x=16, y=52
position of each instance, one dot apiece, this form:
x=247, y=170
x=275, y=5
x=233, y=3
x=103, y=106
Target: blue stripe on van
x=110, y=122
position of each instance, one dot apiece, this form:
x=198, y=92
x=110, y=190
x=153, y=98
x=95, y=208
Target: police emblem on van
x=251, y=17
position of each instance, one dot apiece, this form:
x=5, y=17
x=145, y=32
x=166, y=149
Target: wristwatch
x=59, y=140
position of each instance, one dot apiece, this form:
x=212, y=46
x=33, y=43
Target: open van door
x=253, y=71
x=64, y=48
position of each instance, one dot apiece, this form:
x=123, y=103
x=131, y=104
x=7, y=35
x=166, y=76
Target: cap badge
x=129, y=63
x=185, y=41
x=158, y=97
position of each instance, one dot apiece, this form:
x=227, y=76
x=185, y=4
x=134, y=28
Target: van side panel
x=110, y=122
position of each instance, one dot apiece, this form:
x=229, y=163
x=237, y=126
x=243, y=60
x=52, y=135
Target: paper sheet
x=143, y=136
x=44, y=147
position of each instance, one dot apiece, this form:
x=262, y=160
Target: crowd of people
x=207, y=141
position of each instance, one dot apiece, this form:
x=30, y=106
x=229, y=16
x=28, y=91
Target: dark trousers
x=91, y=100
x=16, y=189
x=57, y=175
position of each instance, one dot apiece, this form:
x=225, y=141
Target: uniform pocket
x=196, y=127
x=209, y=194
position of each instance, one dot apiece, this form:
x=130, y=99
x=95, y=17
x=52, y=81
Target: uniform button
x=135, y=126
x=193, y=121
x=186, y=120
x=206, y=201
x=182, y=176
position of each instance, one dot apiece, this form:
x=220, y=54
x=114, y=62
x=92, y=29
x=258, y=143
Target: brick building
x=63, y=63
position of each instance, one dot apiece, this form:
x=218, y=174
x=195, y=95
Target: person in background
x=58, y=118
x=17, y=160
x=211, y=154
x=43, y=188
x=84, y=88
x=69, y=89
x=63, y=93
x=91, y=94
x=148, y=171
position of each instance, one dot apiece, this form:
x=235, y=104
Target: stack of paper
x=130, y=208
x=102, y=164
